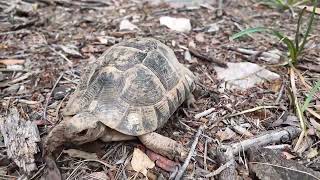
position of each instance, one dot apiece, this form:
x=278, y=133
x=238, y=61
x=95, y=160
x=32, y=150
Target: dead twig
x=287, y=133
x=191, y=153
x=49, y=95
x=204, y=113
x=219, y=170
x=62, y=55
x=207, y=58
x=252, y=110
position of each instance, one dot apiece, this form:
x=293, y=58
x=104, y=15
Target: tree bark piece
x=20, y=138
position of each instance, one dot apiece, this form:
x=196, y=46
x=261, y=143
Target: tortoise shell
x=134, y=87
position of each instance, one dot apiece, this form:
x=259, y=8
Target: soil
x=47, y=44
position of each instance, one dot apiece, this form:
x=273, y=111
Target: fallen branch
x=191, y=153
x=226, y=158
x=287, y=133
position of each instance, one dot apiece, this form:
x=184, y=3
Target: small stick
x=191, y=152
x=252, y=110
x=62, y=55
x=279, y=146
x=204, y=113
x=220, y=169
x=49, y=95
x=205, y=155
x=197, y=54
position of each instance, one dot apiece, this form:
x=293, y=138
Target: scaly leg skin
x=191, y=101
x=113, y=135
x=164, y=146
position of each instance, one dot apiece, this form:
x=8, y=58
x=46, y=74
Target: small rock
x=192, y=44
x=60, y=92
x=176, y=24
x=213, y=28
x=107, y=40
x=127, y=25
x=187, y=56
x=243, y=75
x=200, y=37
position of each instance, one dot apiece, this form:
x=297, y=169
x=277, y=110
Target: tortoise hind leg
x=163, y=145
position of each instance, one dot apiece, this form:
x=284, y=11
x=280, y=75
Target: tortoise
x=129, y=92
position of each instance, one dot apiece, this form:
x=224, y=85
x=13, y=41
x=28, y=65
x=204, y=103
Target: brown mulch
x=47, y=43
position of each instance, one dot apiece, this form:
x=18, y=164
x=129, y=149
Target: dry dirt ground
x=44, y=44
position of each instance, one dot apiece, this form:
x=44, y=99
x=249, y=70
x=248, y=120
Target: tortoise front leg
x=164, y=146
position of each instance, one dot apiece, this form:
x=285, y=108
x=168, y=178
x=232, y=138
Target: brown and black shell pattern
x=134, y=87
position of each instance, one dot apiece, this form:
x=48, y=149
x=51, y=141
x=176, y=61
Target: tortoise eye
x=83, y=132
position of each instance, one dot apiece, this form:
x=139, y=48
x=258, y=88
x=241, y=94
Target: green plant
x=283, y=4
x=296, y=46
x=310, y=95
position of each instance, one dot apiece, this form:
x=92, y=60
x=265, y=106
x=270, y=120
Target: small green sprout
x=296, y=46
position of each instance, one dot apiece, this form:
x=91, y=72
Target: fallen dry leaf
x=288, y=155
x=226, y=134
x=141, y=162
x=71, y=50
x=11, y=61
x=98, y=175
x=80, y=154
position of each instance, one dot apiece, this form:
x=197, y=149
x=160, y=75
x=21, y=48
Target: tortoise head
x=79, y=129
x=82, y=128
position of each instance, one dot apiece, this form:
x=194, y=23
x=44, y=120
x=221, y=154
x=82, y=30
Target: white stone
x=127, y=25
x=243, y=75
x=176, y=24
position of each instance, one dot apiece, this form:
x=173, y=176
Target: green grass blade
x=249, y=31
x=309, y=27
x=290, y=45
x=297, y=39
x=310, y=96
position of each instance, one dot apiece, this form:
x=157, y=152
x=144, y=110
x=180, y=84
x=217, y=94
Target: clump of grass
x=295, y=46
x=283, y=4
